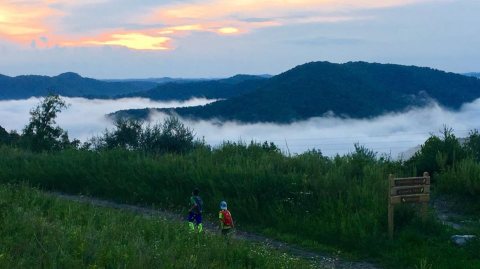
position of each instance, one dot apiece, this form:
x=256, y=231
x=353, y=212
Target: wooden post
x=391, y=209
x=407, y=190
x=424, y=209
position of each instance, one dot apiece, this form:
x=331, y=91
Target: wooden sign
x=413, y=181
x=402, y=199
x=407, y=190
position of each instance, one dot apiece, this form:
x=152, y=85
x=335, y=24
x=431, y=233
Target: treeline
x=42, y=134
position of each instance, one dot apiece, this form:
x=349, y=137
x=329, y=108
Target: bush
x=438, y=153
x=462, y=182
x=167, y=137
x=472, y=145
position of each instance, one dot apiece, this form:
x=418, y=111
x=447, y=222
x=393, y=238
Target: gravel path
x=320, y=260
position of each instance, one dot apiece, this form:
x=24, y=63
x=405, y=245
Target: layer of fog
x=394, y=135
x=84, y=118
x=390, y=134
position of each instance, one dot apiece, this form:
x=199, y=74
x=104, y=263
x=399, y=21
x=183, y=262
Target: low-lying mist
x=84, y=118
x=390, y=134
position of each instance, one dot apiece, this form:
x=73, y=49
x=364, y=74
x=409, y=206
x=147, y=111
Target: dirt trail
x=320, y=260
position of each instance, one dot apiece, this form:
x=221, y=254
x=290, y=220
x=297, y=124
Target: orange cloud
x=228, y=30
x=21, y=22
x=137, y=41
x=191, y=27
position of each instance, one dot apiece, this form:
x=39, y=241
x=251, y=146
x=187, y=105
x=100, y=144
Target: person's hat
x=223, y=205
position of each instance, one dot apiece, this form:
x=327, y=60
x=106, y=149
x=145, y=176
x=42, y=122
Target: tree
x=170, y=136
x=4, y=136
x=472, y=145
x=41, y=133
x=126, y=134
x=176, y=137
x=438, y=153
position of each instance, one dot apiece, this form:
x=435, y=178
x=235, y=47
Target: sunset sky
x=219, y=38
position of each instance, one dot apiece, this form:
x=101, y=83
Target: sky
x=220, y=38
x=392, y=134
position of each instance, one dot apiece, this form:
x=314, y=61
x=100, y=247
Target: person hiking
x=226, y=220
x=195, y=212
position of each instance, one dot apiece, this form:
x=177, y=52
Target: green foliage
x=463, y=183
x=472, y=145
x=41, y=133
x=38, y=231
x=438, y=153
x=172, y=136
x=4, y=136
x=307, y=199
x=126, y=134
x=167, y=137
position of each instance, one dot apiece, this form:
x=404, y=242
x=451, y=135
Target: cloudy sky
x=218, y=38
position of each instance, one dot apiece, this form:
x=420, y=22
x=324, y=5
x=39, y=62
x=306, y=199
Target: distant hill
x=354, y=89
x=160, y=80
x=477, y=75
x=73, y=85
x=212, y=89
x=66, y=84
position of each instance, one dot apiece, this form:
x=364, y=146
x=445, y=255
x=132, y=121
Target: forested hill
x=354, y=89
x=66, y=84
x=212, y=89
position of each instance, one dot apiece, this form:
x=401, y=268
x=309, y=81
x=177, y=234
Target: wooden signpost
x=407, y=190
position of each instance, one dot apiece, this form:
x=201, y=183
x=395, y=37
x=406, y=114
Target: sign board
x=407, y=190
x=402, y=199
x=413, y=181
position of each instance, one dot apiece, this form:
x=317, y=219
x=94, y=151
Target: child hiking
x=226, y=221
x=195, y=212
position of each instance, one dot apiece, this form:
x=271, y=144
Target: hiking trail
x=319, y=260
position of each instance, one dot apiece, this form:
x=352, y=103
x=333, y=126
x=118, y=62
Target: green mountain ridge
x=353, y=89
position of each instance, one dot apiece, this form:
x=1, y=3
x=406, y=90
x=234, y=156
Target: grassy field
x=39, y=231
x=339, y=204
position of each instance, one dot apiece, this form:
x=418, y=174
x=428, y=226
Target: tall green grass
x=462, y=182
x=38, y=231
x=308, y=199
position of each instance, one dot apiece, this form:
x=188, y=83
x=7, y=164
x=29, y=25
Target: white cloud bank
x=389, y=134
x=84, y=118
